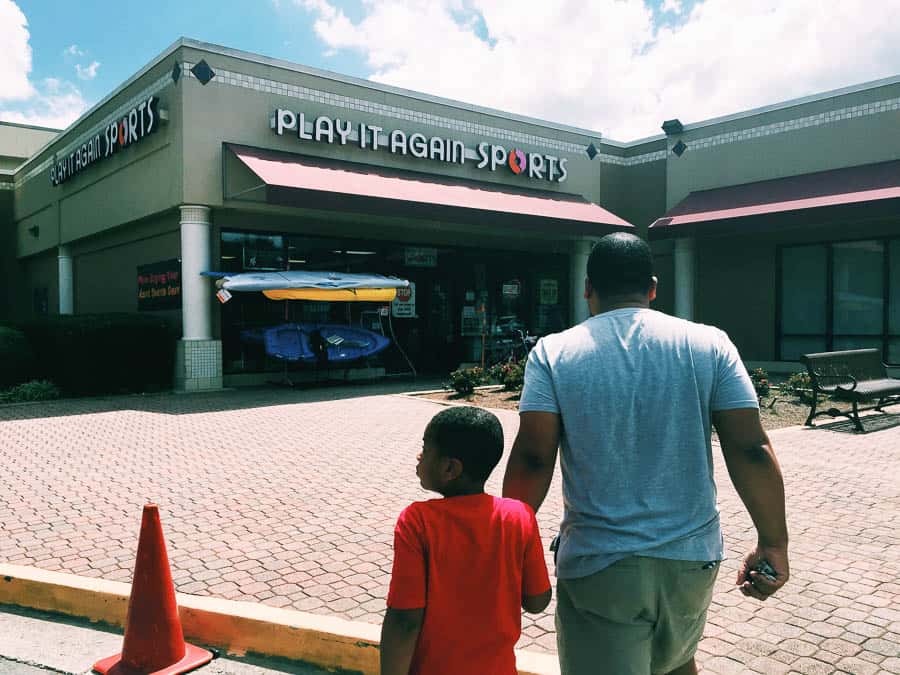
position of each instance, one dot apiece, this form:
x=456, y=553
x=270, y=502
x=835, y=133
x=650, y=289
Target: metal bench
x=855, y=375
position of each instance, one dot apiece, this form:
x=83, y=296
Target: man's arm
x=756, y=476
x=399, y=634
x=533, y=457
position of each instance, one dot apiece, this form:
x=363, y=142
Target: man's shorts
x=636, y=617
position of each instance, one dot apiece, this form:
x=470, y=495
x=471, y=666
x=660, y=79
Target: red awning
x=837, y=187
x=417, y=193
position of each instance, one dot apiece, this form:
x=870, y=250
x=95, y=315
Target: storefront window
x=803, y=283
x=858, y=279
x=859, y=308
x=464, y=303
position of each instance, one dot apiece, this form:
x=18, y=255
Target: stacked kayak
x=317, y=342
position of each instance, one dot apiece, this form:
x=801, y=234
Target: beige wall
x=737, y=279
x=247, y=122
x=840, y=143
x=18, y=142
x=106, y=266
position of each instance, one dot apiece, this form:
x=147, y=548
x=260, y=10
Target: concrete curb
x=236, y=627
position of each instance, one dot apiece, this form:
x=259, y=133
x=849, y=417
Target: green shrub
x=16, y=358
x=798, y=384
x=91, y=354
x=36, y=390
x=760, y=380
x=511, y=374
x=464, y=380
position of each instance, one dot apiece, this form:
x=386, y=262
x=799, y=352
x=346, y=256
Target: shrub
x=16, y=357
x=464, y=380
x=36, y=390
x=511, y=374
x=760, y=380
x=799, y=385
x=103, y=353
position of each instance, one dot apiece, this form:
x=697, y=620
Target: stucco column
x=196, y=294
x=685, y=275
x=578, y=259
x=66, y=280
x=198, y=358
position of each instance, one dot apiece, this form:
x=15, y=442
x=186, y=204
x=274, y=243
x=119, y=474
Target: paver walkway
x=277, y=496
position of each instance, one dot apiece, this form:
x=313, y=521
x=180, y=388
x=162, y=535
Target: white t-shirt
x=634, y=388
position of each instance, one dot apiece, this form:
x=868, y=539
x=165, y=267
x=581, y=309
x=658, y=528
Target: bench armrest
x=841, y=381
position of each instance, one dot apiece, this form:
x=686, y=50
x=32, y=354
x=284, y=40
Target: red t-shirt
x=468, y=561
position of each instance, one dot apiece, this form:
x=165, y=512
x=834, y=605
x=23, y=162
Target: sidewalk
x=34, y=643
x=274, y=497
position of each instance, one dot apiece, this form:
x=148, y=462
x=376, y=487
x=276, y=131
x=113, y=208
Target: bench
x=855, y=375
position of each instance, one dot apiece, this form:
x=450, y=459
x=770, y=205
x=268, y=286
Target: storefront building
x=211, y=159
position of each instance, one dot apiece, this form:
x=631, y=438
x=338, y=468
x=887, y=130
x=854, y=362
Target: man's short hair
x=471, y=435
x=620, y=264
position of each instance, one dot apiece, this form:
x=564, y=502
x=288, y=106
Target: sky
x=618, y=67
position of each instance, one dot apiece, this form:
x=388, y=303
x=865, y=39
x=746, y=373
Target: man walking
x=629, y=396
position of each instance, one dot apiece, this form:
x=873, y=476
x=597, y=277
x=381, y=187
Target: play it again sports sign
x=132, y=127
x=436, y=148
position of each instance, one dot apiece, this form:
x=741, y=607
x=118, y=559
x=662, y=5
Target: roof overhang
x=288, y=179
x=870, y=191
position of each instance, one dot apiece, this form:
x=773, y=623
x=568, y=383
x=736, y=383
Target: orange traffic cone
x=154, y=643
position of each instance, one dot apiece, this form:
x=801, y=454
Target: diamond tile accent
x=591, y=151
x=203, y=72
x=176, y=72
x=679, y=148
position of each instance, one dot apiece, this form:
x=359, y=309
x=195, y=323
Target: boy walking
x=464, y=565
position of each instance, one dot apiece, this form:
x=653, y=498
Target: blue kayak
x=317, y=342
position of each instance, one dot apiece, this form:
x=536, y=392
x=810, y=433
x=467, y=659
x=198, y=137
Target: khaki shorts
x=636, y=617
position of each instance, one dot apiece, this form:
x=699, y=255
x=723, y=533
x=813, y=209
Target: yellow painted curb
x=235, y=627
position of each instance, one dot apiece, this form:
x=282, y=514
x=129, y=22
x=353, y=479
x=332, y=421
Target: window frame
x=885, y=337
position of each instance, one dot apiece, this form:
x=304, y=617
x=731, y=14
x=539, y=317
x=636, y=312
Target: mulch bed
x=776, y=411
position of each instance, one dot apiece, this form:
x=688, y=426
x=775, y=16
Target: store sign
x=159, y=285
x=435, y=148
x=512, y=289
x=404, y=305
x=132, y=127
x=417, y=256
x=548, y=292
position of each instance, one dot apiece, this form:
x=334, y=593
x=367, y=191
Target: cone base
x=194, y=657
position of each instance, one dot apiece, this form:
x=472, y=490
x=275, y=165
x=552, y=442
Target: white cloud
x=51, y=102
x=673, y=6
x=605, y=65
x=16, y=62
x=87, y=72
x=55, y=104
x=74, y=50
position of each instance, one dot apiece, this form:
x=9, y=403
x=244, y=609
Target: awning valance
x=781, y=200
x=300, y=180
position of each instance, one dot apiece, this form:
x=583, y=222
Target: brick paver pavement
x=289, y=498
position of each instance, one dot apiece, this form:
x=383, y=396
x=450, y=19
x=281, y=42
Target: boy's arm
x=399, y=634
x=406, y=596
x=536, y=590
x=535, y=604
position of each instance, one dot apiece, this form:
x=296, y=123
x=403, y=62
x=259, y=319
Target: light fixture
x=229, y=257
x=357, y=252
x=296, y=262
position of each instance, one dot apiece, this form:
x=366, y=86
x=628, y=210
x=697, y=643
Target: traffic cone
x=154, y=643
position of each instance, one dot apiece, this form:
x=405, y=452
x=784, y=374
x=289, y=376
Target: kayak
x=317, y=342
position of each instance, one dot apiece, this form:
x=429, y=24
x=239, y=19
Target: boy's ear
x=453, y=469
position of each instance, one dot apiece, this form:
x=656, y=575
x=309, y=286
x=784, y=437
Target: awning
x=784, y=201
x=300, y=180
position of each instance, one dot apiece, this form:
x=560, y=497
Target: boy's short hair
x=471, y=435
